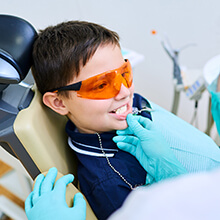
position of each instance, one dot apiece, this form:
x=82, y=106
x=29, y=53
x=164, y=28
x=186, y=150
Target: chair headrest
x=16, y=42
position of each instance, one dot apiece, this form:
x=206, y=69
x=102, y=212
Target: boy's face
x=90, y=115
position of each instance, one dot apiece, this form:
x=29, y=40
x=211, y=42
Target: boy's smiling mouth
x=120, y=110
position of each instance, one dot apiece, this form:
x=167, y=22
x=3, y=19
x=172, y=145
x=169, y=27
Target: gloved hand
x=215, y=109
x=47, y=201
x=215, y=100
x=145, y=142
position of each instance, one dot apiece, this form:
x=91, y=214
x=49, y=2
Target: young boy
x=79, y=69
x=74, y=52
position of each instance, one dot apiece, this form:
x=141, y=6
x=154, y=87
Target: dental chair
x=29, y=131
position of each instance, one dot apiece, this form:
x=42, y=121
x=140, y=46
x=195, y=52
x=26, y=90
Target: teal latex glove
x=47, y=201
x=145, y=142
x=215, y=109
x=215, y=100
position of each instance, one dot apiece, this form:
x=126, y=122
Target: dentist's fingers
x=126, y=131
x=145, y=122
x=137, y=129
x=79, y=202
x=127, y=147
x=133, y=124
x=127, y=143
x=126, y=139
x=134, y=121
x=37, y=188
x=47, y=184
x=62, y=183
x=28, y=202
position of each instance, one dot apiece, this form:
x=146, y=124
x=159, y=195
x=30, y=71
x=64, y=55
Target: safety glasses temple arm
x=74, y=87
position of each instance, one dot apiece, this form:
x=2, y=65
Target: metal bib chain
x=109, y=163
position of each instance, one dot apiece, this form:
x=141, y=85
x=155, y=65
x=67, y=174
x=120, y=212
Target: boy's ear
x=55, y=102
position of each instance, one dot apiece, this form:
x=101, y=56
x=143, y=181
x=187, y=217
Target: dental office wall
x=183, y=21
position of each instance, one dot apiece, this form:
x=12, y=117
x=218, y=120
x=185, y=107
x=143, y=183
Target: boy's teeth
x=121, y=110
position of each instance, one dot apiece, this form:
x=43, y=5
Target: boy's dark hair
x=61, y=51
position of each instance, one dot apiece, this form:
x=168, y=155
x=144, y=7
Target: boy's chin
x=114, y=127
x=122, y=126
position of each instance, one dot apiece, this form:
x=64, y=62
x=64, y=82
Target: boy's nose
x=123, y=92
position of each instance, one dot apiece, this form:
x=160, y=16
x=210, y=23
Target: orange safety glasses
x=102, y=86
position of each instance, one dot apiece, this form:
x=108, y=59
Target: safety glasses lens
x=108, y=84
